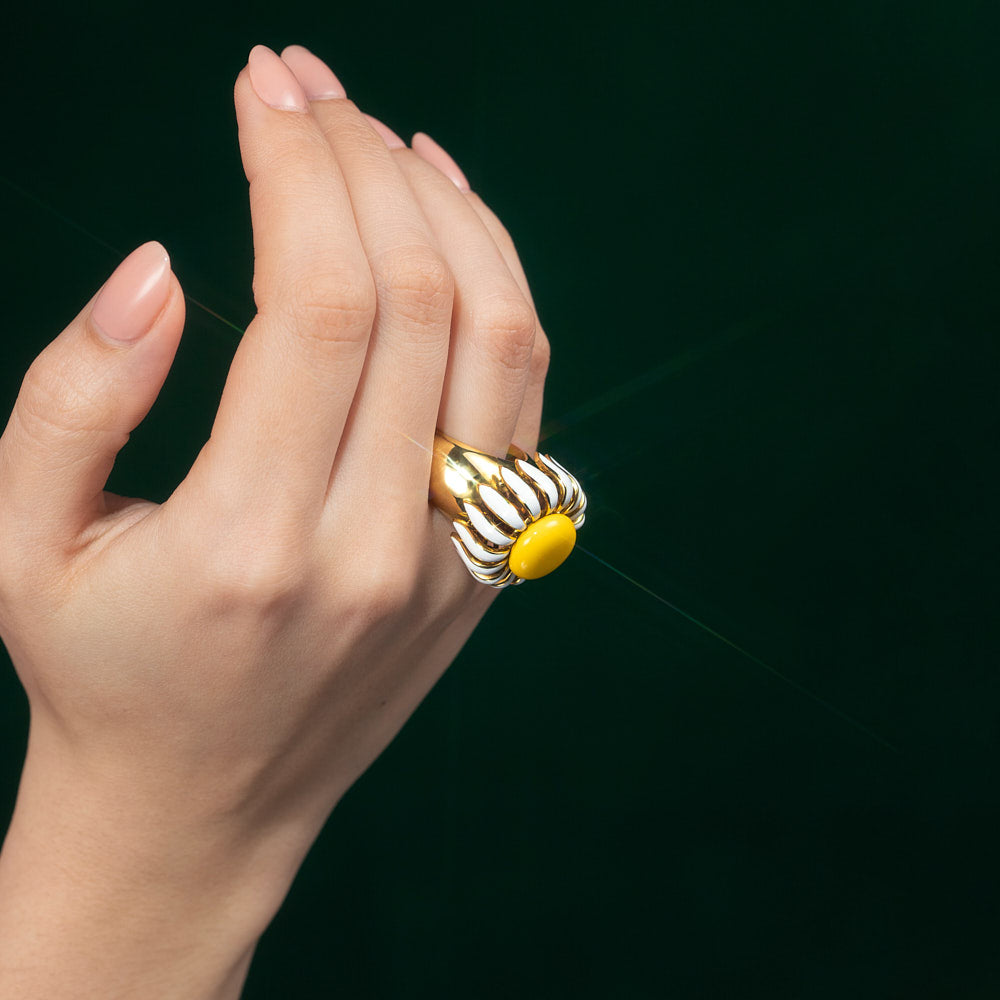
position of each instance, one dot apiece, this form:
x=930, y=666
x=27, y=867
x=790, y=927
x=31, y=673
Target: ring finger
x=528, y=425
x=493, y=327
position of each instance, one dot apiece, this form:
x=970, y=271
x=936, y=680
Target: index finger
x=294, y=376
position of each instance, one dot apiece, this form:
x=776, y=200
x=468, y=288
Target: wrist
x=98, y=887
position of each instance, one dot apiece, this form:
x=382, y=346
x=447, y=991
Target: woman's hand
x=209, y=676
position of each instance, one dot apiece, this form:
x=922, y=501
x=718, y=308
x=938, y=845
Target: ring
x=515, y=518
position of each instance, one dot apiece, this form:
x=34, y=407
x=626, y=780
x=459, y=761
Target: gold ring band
x=514, y=518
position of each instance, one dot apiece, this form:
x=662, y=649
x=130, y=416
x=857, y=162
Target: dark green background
x=763, y=241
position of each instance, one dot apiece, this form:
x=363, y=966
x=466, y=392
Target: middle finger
x=390, y=431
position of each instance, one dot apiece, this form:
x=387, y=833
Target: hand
x=207, y=677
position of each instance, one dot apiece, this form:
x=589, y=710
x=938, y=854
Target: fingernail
x=274, y=82
x=391, y=139
x=426, y=148
x=134, y=295
x=317, y=79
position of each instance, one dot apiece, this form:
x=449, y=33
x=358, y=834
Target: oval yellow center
x=543, y=546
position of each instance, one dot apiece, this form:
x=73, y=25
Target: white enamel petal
x=554, y=465
x=524, y=492
x=475, y=549
x=564, y=479
x=485, y=526
x=502, y=507
x=571, y=492
x=556, y=478
x=546, y=482
x=546, y=462
x=579, y=501
x=486, y=576
x=568, y=477
x=572, y=488
x=563, y=472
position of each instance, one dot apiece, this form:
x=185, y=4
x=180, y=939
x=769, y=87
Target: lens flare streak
x=795, y=685
x=605, y=401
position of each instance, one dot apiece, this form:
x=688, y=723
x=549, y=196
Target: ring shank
x=457, y=469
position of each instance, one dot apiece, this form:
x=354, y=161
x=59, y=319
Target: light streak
x=606, y=400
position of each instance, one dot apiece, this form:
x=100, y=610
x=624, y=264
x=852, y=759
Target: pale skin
x=207, y=677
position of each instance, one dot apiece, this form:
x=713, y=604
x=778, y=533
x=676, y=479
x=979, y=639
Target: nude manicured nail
x=274, y=83
x=317, y=79
x=134, y=295
x=426, y=148
x=391, y=139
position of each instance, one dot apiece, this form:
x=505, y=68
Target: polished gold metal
x=496, y=503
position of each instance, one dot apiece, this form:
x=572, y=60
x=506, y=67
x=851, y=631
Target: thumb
x=85, y=393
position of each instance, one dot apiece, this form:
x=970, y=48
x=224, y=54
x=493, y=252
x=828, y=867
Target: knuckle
x=337, y=306
x=388, y=585
x=541, y=357
x=47, y=397
x=259, y=578
x=57, y=402
x=417, y=282
x=296, y=151
x=393, y=594
x=507, y=326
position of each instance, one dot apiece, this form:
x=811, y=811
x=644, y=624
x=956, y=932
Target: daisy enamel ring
x=514, y=518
